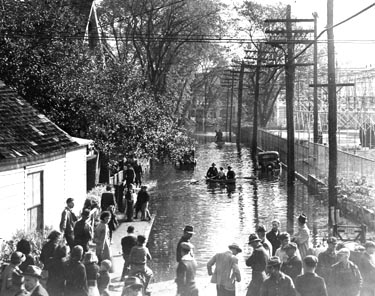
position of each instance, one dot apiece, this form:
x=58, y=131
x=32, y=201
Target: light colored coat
x=226, y=270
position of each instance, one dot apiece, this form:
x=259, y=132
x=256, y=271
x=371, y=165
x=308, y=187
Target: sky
x=354, y=40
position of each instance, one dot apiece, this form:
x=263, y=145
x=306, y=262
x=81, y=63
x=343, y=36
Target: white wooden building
x=40, y=167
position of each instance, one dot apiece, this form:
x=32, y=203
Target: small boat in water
x=221, y=181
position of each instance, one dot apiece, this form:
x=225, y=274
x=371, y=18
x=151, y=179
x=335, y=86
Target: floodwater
x=221, y=215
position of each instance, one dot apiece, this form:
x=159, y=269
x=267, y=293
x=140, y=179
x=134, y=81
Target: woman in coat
x=101, y=237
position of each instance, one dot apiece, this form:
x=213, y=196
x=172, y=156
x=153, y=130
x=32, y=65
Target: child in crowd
x=104, y=278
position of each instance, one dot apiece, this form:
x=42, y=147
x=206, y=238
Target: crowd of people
x=282, y=265
x=214, y=173
x=67, y=265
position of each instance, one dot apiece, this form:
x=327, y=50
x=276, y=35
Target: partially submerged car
x=268, y=161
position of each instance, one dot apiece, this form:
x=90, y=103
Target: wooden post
x=316, y=110
x=289, y=96
x=230, y=110
x=332, y=116
x=239, y=111
x=254, y=146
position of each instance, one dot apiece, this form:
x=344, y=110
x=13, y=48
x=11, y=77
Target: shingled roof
x=25, y=133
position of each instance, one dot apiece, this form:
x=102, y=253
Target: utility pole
x=316, y=107
x=231, y=110
x=290, y=66
x=289, y=98
x=239, y=111
x=332, y=118
x=254, y=145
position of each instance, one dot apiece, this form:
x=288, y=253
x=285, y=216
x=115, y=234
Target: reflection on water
x=220, y=214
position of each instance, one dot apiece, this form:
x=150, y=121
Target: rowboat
x=221, y=181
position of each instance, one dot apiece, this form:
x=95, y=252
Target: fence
x=312, y=159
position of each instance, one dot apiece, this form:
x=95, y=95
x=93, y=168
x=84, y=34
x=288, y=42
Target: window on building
x=34, y=201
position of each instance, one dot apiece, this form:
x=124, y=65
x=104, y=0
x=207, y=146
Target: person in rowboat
x=212, y=172
x=221, y=174
x=231, y=175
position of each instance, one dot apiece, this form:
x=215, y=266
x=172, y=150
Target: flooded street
x=220, y=215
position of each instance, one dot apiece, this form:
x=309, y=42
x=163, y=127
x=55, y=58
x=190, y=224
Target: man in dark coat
x=273, y=236
x=345, y=277
x=310, y=284
x=68, y=219
x=138, y=174
x=212, y=172
x=129, y=175
x=277, y=283
x=75, y=274
x=261, y=232
x=107, y=199
x=185, y=274
x=293, y=266
x=258, y=262
x=325, y=261
x=32, y=276
x=188, y=233
x=83, y=231
x=127, y=243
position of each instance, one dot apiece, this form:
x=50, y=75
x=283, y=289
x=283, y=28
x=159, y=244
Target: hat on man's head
x=302, y=219
x=369, y=244
x=311, y=260
x=235, y=246
x=253, y=237
x=274, y=261
x=33, y=270
x=17, y=257
x=332, y=240
x=291, y=245
x=130, y=229
x=69, y=200
x=344, y=251
x=143, y=187
x=189, y=229
x=187, y=246
x=261, y=228
x=132, y=282
x=213, y=164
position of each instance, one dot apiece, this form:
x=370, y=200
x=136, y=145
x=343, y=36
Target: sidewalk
x=140, y=227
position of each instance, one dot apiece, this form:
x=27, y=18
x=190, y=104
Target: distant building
x=40, y=167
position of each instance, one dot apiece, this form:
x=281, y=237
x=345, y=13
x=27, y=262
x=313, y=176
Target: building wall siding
x=62, y=178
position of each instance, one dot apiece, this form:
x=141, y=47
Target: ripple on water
x=219, y=216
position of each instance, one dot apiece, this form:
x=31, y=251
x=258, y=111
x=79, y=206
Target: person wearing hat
x=185, y=238
x=302, y=237
x=261, y=232
x=83, y=231
x=310, y=283
x=277, y=283
x=68, y=219
x=367, y=269
x=139, y=255
x=231, y=175
x=326, y=259
x=258, y=262
x=281, y=252
x=226, y=270
x=75, y=274
x=345, y=277
x=49, y=248
x=185, y=273
x=273, y=235
x=32, y=276
x=127, y=243
x=133, y=286
x=212, y=172
x=6, y=276
x=293, y=266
